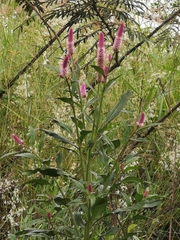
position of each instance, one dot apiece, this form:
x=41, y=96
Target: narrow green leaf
x=52, y=67
x=151, y=203
x=27, y=155
x=99, y=208
x=64, y=126
x=37, y=181
x=52, y=172
x=131, y=227
x=131, y=180
x=32, y=135
x=78, y=122
x=61, y=201
x=79, y=185
x=103, y=156
x=110, y=83
x=78, y=219
x=91, y=101
x=59, y=159
x=117, y=109
x=83, y=134
x=98, y=69
x=58, y=137
x=66, y=100
x=116, y=143
x=8, y=154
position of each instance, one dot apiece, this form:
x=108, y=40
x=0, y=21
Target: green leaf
x=64, y=126
x=79, y=185
x=78, y=219
x=99, y=208
x=36, y=232
x=59, y=137
x=126, y=198
x=116, y=143
x=78, y=122
x=8, y=154
x=61, y=201
x=91, y=101
x=110, y=83
x=12, y=236
x=52, y=67
x=151, y=203
x=32, y=135
x=117, y=109
x=52, y=172
x=59, y=159
x=98, y=69
x=66, y=100
x=131, y=227
x=131, y=180
x=83, y=134
x=37, y=181
x=103, y=156
x=27, y=155
x=138, y=197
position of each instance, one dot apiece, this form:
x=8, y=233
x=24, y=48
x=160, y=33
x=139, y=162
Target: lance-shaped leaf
x=64, y=126
x=83, y=134
x=37, y=181
x=52, y=172
x=59, y=137
x=59, y=159
x=117, y=109
x=27, y=155
x=98, y=69
x=61, y=201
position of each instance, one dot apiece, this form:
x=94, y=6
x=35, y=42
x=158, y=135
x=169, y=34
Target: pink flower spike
x=146, y=193
x=17, y=139
x=118, y=38
x=90, y=188
x=83, y=90
x=70, y=43
x=109, y=57
x=101, y=40
x=64, y=67
x=141, y=121
x=120, y=30
x=48, y=215
x=106, y=70
x=121, y=165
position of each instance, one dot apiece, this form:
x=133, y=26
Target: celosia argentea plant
x=101, y=195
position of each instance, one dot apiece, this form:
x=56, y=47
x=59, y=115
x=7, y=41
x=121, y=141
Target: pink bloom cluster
x=70, y=50
x=101, y=52
x=118, y=39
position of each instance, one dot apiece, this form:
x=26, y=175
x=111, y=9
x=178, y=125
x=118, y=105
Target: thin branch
x=117, y=64
x=149, y=131
x=10, y=84
x=45, y=23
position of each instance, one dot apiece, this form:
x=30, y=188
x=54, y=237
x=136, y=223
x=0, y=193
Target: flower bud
x=141, y=121
x=83, y=91
x=90, y=188
x=17, y=139
x=118, y=38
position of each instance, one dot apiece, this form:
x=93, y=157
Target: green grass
x=151, y=73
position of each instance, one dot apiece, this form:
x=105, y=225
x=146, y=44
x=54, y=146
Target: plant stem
x=69, y=209
x=77, y=132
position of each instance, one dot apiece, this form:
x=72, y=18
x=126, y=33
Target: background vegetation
x=30, y=91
